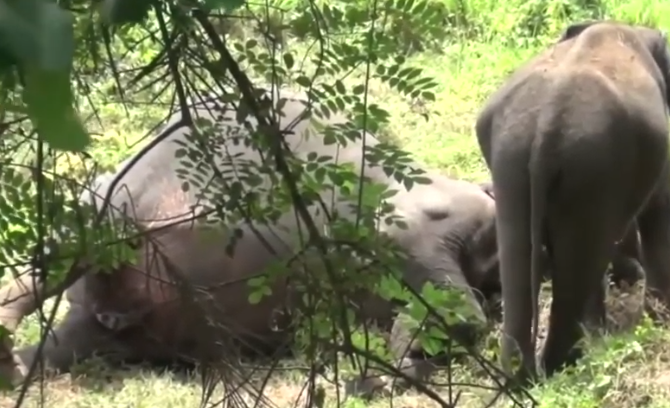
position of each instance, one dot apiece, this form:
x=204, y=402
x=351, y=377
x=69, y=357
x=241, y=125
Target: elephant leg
x=625, y=268
x=78, y=337
x=581, y=250
x=514, y=249
x=596, y=312
x=410, y=357
x=413, y=361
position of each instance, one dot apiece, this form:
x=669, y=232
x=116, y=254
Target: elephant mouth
x=116, y=321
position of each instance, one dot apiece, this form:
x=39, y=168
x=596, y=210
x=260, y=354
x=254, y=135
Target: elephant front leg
x=625, y=268
x=78, y=337
x=410, y=360
x=414, y=363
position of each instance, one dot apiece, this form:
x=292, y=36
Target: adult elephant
x=577, y=144
x=138, y=311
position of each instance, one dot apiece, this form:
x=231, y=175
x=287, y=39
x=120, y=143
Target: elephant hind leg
x=581, y=249
x=78, y=337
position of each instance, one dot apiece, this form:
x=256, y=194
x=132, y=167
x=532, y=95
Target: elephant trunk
x=24, y=294
x=19, y=298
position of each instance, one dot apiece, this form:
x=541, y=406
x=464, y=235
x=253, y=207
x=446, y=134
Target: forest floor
x=628, y=369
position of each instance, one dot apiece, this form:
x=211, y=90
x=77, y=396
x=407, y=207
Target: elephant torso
x=447, y=220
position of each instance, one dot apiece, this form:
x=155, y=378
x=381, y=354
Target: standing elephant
x=139, y=312
x=577, y=144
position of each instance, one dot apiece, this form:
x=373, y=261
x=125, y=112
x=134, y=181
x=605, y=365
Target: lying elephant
x=136, y=311
x=577, y=144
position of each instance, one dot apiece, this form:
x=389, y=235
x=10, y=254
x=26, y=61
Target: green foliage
x=60, y=222
x=38, y=43
x=599, y=374
x=227, y=5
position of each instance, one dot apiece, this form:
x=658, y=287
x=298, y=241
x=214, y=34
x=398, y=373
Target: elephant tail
x=539, y=174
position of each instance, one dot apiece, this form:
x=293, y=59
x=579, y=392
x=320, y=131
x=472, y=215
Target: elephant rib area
x=151, y=299
x=189, y=292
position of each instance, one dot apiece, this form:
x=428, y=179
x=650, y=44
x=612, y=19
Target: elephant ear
x=656, y=42
x=664, y=54
x=574, y=30
x=663, y=59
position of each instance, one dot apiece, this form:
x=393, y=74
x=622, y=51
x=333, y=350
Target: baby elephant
x=450, y=240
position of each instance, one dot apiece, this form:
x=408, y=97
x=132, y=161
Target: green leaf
x=227, y=5
x=37, y=32
x=48, y=96
x=255, y=297
x=423, y=180
x=40, y=37
x=339, y=86
x=429, y=96
x=288, y=60
x=303, y=81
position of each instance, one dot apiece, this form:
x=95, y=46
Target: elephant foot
x=368, y=388
x=520, y=382
x=521, y=379
x=13, y=371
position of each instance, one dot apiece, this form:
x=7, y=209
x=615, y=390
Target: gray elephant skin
x=626, y=266
x=577, y=144
x=135, y=312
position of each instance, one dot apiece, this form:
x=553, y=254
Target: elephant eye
x=436, y=214
x=133, y=243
